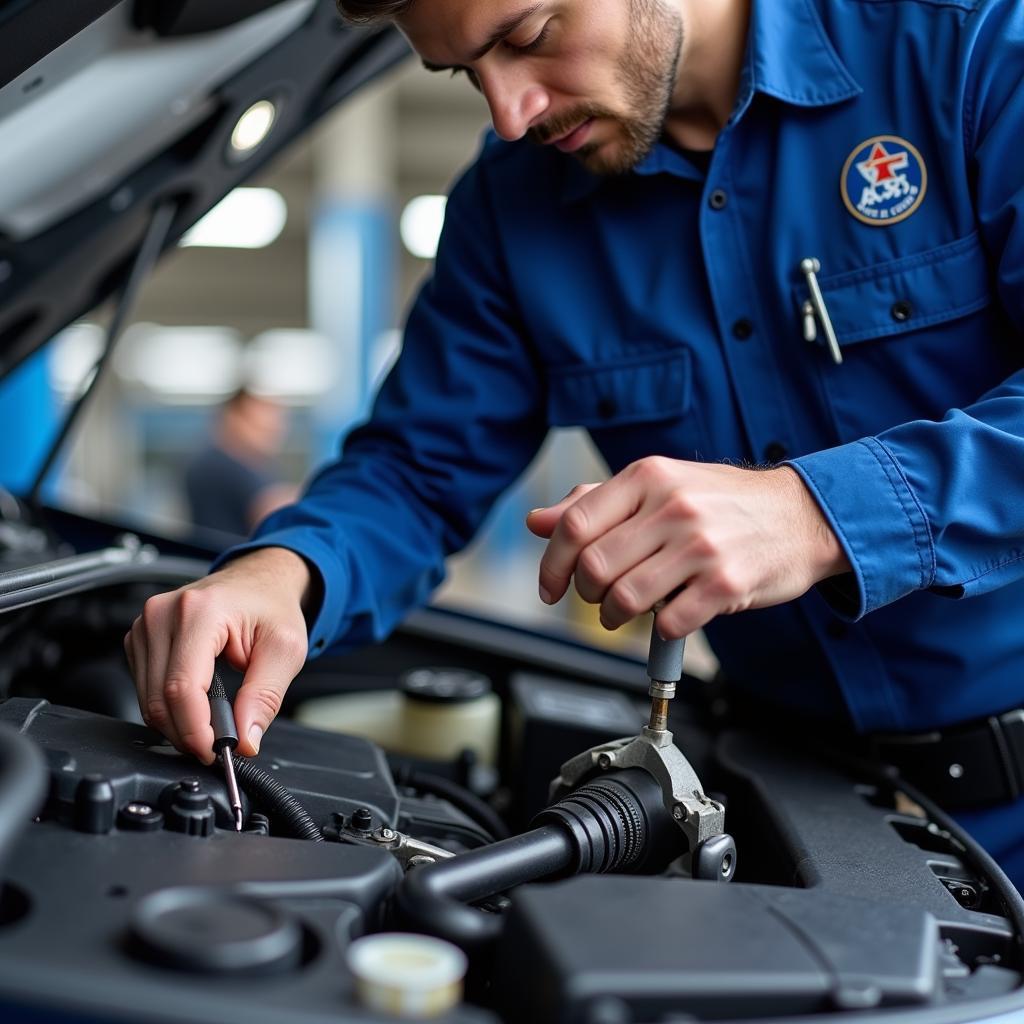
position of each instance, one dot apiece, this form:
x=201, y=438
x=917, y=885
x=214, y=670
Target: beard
x=647, y=74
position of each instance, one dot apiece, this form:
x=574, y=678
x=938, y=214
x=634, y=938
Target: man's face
x=592, y=77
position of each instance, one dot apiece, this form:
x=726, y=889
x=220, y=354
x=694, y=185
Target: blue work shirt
x=665, y=311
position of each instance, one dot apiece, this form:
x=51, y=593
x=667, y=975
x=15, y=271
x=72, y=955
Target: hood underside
x=108, y=110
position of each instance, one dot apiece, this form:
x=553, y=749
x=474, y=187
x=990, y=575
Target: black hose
x=458, y=796
x=432, y=899
x=617, y=822
x=270, y=794
x=23, y=779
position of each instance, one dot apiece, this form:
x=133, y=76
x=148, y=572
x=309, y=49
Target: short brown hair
x=364, y=12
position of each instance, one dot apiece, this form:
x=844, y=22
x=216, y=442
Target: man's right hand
x=251, y=612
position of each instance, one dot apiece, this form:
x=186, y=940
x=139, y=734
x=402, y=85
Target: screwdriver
x=664, y=670
x=225, y=739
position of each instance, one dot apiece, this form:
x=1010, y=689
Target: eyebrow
x=506, y=28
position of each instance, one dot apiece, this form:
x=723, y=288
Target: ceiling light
x=421, y=223
x=246, y=218
x=252, y=128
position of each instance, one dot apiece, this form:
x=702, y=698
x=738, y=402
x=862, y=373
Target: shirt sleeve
x=939, y=505
x=457, y=420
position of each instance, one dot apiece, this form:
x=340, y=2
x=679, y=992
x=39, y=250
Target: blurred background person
x=234, y=482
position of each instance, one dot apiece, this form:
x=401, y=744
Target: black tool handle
x=222, y=717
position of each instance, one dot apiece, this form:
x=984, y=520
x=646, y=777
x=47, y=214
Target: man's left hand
x=732, y=538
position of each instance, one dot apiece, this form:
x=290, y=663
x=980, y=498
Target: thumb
x=542, y=521
x=267, y=678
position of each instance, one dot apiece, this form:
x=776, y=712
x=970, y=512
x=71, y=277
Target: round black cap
x=197, y=930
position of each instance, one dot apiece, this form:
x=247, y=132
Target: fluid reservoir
x=435, y=714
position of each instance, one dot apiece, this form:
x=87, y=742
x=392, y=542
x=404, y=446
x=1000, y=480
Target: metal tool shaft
x=225, y=739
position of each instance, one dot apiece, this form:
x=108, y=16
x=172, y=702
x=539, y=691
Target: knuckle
x=176, y=691
x=593, y=565
x=155, y=713
x=679, y=505
x=575, y=523
x=268, y=702
x=624, y=598
x=727, y=585
x=293, y=644
x=152, y=612
x=192, y=603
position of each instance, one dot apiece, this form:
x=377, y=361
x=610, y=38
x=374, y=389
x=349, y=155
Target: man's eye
x=535, y=44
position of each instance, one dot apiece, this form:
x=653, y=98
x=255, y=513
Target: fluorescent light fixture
x=246, y=218
x=252, y=128
x=181, y=365
x=421, y=223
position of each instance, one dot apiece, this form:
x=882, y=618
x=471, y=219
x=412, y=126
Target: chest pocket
x=917, y=335
x=637, y=389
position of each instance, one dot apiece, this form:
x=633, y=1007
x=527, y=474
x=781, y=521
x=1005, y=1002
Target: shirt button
x=718, y=198
x=901, y=311
x=742, y=329
x=776, y=451
x=607, y=408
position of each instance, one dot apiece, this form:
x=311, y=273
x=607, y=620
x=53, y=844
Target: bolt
x=956, y=771
x=604, y=761
x=140, y=810
x=387, y=835
x=189, y=785
x=679, y=812
x=362, y=820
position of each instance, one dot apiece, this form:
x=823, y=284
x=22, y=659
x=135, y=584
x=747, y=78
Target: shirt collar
x=789, y=57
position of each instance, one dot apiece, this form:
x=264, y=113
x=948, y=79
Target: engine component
x=618, y=824
x=407, y=975
x=215, y=932
x=711, y=951
x=189, y=809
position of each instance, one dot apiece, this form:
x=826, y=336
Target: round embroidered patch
x=884, y=180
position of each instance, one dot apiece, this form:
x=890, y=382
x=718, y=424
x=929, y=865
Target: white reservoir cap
x=407, y=975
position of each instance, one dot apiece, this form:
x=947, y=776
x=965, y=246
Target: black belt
x=964, y=766
x=967, y=765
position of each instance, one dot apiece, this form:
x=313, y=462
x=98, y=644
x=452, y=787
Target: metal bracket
x=409, y=852
x=698, y=816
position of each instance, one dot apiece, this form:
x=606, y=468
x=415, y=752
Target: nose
x=515, y=104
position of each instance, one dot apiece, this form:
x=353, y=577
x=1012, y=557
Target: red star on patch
x=880, y=165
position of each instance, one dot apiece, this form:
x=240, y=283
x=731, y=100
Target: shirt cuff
x=879, y=523
x=326, y=622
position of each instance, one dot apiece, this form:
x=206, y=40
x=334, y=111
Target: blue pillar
x=28, y=418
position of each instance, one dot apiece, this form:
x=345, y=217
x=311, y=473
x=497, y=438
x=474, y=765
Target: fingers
x=583, y=520
x=274, y=663
x=542, y=521
x=171, y=652
x=606, y=561
x=638, y=590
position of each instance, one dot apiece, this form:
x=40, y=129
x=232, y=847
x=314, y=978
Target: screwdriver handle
x=222, y=717
x=665, y=659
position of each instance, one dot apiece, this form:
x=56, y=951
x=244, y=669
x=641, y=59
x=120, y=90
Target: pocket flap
x=635, y=390
x=906, y=294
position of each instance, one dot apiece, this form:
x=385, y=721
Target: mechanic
x=231, y=483
x=771, y=254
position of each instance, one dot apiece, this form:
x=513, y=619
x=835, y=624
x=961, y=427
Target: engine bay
x=129, y=895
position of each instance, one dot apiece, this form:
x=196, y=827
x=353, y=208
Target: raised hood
x=107, y=110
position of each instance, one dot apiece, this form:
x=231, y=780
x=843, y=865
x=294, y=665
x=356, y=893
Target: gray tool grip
x=665, y=661
x=222, y=717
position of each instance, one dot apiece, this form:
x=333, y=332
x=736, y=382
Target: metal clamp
x=698, y=816
x=409, y=852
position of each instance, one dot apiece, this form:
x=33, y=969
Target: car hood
x=108, y=110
